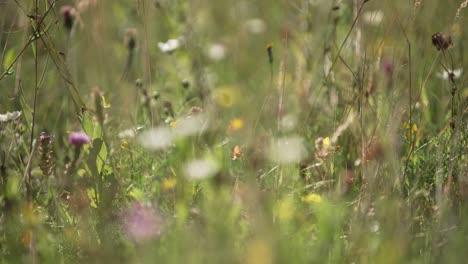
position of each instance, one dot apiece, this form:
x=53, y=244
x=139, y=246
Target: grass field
x=213, y=131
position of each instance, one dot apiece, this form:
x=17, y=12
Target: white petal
x=127, y=133
x=169, y=46
x=201, y=169
x=287, y=150
x=191, y=125
x=445, y=75
x=173, y=44
x=216, y=52
x=288, y=122
x=162, y=46
x=458, y=72
x=10, y=116
x=156, y=138
x=255, y=25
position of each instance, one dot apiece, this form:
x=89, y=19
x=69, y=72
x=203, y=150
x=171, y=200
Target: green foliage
x=233, y=131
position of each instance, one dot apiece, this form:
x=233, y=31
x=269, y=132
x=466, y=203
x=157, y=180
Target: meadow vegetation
x=213, y=131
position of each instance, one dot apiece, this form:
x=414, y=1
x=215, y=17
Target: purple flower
x=78, y=138
x=388, y=67
x=142, y=223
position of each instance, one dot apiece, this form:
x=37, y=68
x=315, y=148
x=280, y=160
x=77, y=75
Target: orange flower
x=236, y=153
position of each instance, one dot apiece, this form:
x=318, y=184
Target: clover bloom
x=142, y=223
x=78, y=139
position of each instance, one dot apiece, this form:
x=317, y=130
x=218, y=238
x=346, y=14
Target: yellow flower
x=312, y=198
x=413, y=127
x=173, y=124
x=285, y=209
x=236, y=124
x=169, y=184
x=410, y=128
x=226, y=96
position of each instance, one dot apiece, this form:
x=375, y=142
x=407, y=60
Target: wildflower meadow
x=247, y=131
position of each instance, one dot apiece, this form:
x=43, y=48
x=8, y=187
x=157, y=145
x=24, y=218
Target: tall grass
x=302, y=131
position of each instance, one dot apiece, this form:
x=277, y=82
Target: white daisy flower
x=287, y=150
x=191, y=125
x=10, y=116
x=216, y=52
x=200, y=169
x=288, y=122
x=255, y=25
x=156, y=138
x=169, y=46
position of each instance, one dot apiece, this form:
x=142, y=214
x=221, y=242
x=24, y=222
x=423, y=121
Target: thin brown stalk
x=27, y=170
x=353, y=25
x=283, y=86
x=18, y=67
x=145, y=44
x=410, y=121
x=357, y=38
x=36, y=89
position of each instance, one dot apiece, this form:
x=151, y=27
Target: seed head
x=69, y=15
x=168, y=108
x=185, y=83
x=131, y=38
x=195, y=110
x=269, y=49
x=139, y=83
x=45, y=154
x=441, y=41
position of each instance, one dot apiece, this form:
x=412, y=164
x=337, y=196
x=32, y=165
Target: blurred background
x=241, y=131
